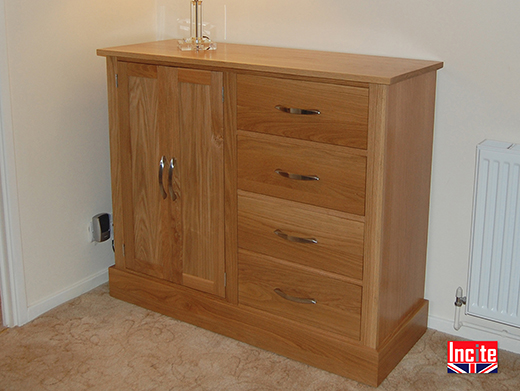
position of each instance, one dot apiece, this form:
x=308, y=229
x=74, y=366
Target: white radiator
x=494, y=275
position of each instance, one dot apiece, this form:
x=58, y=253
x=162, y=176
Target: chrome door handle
x=170, y=179
x=299, y=300
x=297, y=177
x=161, y=169
x=293, y=110
x=295, y=239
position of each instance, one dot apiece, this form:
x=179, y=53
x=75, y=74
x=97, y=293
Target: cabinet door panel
x=173, y=217
x=151, y=222
x=201, y=168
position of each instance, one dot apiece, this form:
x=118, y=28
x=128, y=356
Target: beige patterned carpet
x=96, y=342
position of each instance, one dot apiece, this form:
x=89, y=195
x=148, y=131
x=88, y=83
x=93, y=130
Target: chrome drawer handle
x=292, y=110
x=170, y=179
x=299, y=300
x=295, y=239
x=161, y=169
x=297, y=177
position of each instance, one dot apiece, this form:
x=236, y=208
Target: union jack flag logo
x=472, y=368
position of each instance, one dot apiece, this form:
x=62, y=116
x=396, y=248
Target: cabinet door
x=201, y=169
x=152, y=223
x=172, y=174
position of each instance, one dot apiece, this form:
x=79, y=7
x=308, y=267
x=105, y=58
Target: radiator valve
x=459, y=299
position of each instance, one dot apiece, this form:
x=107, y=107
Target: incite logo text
x=472, y=357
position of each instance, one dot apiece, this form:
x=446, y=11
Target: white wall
x=59, y=117
x=477, y=94
x=60, y=133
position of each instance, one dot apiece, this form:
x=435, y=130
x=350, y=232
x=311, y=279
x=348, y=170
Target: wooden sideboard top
x=309, y=63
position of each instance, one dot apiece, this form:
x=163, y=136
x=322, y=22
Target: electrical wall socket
x=100, y=227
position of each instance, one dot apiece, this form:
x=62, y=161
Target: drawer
x=342, y=118
x=316, y=237
x=270, y=165
x=336, y=307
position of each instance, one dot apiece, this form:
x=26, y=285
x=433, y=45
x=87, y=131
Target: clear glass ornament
x=197, y=41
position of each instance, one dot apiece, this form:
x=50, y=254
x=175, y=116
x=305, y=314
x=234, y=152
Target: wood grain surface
x=339, y=246
x=342, y=118
x=201, y=165
x=212, y=258
x=300, y=63
x=341, y=183
x=337, y=305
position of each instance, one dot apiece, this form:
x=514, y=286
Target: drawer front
x=271, y=165
x=342, y=118
x=304, y=234
x=337, y=306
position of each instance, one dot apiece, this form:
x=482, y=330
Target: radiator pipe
x=459, y=302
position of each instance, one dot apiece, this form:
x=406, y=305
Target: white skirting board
x=70, y=293
x=476, y=329
x=472, y=329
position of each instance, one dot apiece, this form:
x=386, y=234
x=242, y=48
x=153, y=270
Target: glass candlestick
x=197, y=41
